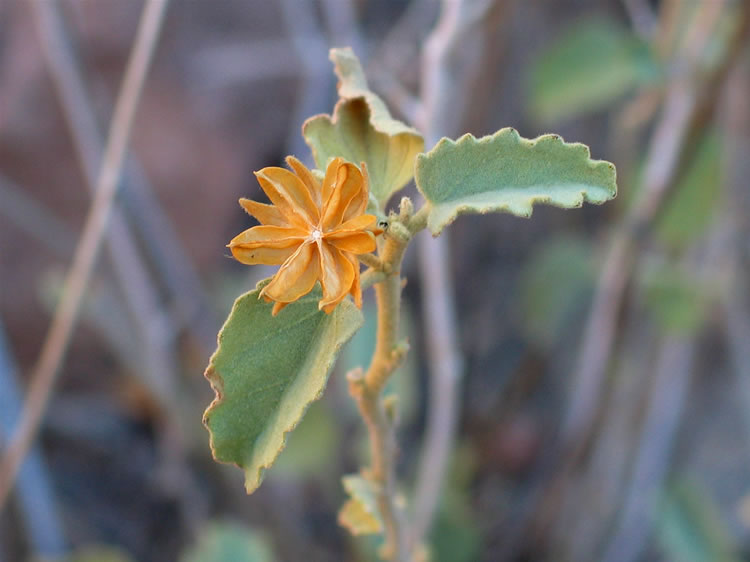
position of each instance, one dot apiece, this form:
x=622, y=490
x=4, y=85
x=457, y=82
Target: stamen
x=316, y=235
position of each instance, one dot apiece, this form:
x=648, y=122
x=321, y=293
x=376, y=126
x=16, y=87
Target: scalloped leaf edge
x=380, y=193
x=352, y=84
x=253, y=479
x=436, y=225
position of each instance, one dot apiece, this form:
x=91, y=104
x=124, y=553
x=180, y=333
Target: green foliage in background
x=591, y=65
x=228, y=542
x=689, y=527
x=312, y=445
x=547, y=309
x=456, y=535
x=677, y=300
x=697, y=195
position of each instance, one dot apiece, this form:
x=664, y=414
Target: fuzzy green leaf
x=362, y=130
x=505, y=172
x=266, y=372
x=360, y=513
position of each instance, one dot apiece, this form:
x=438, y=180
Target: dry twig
x=448, y=67
x=58, y=337
x=687, y=100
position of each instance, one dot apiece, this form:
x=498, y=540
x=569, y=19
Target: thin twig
x=162, y=243
x=735, y=304
x=35, y=496
x=641, y=16
x=440, y=113
x=311, y=46
x=341, y=20
x=58, y=337
x=686, y=99
x=133, y=277
x=559, y=463
x=155, y=324
x=666, y=405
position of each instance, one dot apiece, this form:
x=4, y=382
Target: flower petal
x=266, y=214
x=358, y=203
x=269, y=236
x=329, y=181
x=362, y=222
x=293, y=190
x=356, y=290
x=296, y=277
x=261, y=255
x=284, y=207
x=348, y=185
x=362, y=242
x=277, y=307
x=337, y=275
x=311, y=183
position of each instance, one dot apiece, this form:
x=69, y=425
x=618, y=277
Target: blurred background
x=605, y=352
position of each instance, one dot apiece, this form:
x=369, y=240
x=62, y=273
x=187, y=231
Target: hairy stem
x=366, y=390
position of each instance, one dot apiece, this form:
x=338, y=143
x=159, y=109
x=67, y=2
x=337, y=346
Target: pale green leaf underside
x=353, y=84
x=505, y=172
x=362, y=130
x=360, y=513
x=266, y=371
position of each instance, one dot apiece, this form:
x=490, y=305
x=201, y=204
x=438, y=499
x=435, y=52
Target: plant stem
x=366, y=390
x=419, y=220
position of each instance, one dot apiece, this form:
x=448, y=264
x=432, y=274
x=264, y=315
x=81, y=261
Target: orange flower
x=313, y=230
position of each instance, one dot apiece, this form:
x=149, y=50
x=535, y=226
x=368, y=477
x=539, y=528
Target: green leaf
x=228, y=542
x=590, y=66
x=547, y=309
x=266, y=372
x=677, y=300
x=456, y=535
x=505, y=172
x=362, y=130
x=692, y=208
x=360, y=513
x=690, y=527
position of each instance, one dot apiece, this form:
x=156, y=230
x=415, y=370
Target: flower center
x=316, y=235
